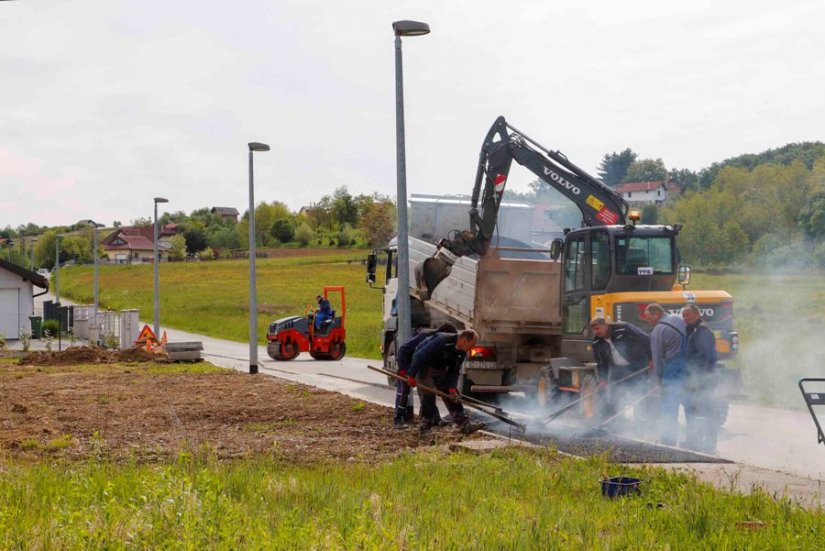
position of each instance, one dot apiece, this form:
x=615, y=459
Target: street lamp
x=403, y=28
x=94, y=226
x=155, y=261
x=253, y=302
x=57, y=238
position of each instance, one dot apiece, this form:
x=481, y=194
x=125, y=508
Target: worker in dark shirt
x=620, y=349
x=701, y=409
x=437, y=363
x=323, y=313
x=403, y=398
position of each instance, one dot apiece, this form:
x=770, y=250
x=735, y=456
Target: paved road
x=771, y=440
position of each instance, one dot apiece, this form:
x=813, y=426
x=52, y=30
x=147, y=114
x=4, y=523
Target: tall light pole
x=57, y=268
x=253, y=298
x=32, y=241
x=156, y=261
x=403, y=28
x=94, y=226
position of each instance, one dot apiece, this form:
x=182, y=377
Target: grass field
x=211, y=298
x=511, y=499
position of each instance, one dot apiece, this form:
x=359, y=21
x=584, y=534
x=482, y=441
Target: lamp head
x=410, y=28
x=257, y=146
x=161, y=200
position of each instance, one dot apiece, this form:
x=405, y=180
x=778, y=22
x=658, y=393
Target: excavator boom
x=599, y=204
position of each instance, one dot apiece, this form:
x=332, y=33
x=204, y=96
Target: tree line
x=339, y=219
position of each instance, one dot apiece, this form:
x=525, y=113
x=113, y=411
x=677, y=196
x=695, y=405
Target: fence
x=120, y=328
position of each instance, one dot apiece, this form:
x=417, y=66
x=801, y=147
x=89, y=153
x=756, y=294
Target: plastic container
x=37, y=326
x=620, y=486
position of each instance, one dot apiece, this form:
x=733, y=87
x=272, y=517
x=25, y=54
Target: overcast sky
x=105, y=104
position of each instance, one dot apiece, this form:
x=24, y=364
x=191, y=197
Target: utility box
x=129, y=328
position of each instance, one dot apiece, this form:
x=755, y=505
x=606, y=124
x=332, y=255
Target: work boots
x=466, y=427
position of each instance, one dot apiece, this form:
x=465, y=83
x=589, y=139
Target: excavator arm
x=598, y=203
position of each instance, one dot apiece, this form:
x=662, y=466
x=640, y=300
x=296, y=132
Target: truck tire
x=389, y=362
x=547, y=392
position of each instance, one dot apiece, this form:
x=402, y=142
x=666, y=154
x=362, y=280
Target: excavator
x=533, y=315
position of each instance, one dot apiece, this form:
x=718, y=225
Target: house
x=17, y=297
x=130, y=245
x=227, y=213
x=639, y=194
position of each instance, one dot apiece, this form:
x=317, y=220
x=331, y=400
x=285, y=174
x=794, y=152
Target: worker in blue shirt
x=403, y=401
x=323, y=313
x=436, y=363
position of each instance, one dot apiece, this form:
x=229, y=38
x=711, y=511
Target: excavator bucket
x=430, y=273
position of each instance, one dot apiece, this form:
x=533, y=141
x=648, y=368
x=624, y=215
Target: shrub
x=282, y=230
x=52, y=326
x=206, y=254
x=304, y=234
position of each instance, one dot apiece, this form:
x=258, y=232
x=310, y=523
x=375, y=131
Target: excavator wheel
x=337, y=349
x=590, y=405
x=547, y=393
x=430, y=273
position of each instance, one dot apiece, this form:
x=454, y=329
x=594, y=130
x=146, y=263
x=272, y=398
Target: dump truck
x=532, y=306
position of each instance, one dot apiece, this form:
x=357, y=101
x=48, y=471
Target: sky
x=106, y=104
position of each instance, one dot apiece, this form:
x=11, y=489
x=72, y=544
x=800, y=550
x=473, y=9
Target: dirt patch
x=77, y=355
x=149, y=412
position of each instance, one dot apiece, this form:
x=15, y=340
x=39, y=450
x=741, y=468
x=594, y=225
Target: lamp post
x=57, y=268
x=94, y=226
x=403, y=28
x=156, y=261
x=32, y=241
x=253, y=302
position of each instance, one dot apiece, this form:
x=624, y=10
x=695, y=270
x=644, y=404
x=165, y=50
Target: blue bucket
x=620, y=486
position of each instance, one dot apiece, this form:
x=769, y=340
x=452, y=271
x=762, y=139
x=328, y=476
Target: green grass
x=212, y=298
x=779, y=319
x=511, y=499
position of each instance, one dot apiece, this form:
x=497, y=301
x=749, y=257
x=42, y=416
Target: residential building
x=130, y=245
x=639, y=194
x=17, y=297
x=227, y=213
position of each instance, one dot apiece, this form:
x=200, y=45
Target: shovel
x=484, y=407
x=581, y=399
x=599, y=429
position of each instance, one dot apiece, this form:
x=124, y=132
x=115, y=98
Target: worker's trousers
x=404, y=403
x=438, y=379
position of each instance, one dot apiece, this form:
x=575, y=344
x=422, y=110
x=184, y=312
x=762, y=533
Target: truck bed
x=494, y=294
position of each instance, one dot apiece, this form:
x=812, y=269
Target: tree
x=646, y=170
x=141, y=222
x=613, y=167
x=195, y=235
x=304, y=234
x=344, y=207
x=686, y=178
x=650, y=214
x=812, y=216
x=282, y=230
x=378, y=223
x=177, y=249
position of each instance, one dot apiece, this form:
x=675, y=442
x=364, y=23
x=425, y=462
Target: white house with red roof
x=643, y=193
x=130, y=245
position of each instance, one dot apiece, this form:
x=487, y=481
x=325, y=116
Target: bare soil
x=151, y=412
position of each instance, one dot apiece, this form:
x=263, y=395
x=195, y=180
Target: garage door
x=10, y=313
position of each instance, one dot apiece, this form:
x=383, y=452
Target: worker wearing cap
x=323, y=313
x=620, y=349
x=436, y=363
x=667, y=346
x=701, y=409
